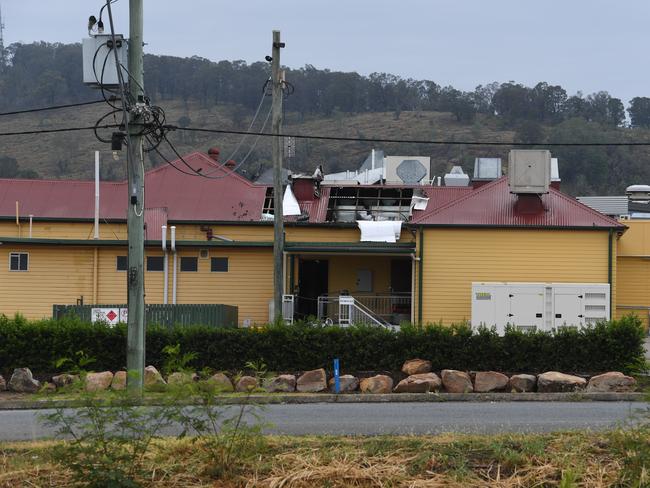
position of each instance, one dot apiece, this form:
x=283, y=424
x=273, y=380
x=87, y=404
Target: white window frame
x=12, y=253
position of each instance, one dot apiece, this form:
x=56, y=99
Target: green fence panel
x=211, y=315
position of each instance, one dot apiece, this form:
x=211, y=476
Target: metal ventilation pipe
x=96, y=234
x=165, y=264
x=173, y=246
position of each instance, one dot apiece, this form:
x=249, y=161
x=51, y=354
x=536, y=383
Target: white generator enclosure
x=539, y=306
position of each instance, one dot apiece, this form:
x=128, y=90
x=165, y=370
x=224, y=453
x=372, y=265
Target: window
x=189, y=263
x=18, y=261
x=219, y=265
x=121, y=263
x=154, y=263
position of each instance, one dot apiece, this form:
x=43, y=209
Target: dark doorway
x=312, y=283
x=400, y=276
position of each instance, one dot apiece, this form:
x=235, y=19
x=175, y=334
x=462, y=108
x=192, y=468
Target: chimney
x=214, y=152
x=230, y=164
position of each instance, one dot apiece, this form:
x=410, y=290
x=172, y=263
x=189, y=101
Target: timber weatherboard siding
x=454, y=258
x=633, y=271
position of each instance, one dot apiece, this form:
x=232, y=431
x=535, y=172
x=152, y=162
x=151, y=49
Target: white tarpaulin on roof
x=382, y=231
x=289, y=203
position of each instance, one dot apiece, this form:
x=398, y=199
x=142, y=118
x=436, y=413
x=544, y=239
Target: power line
x=410, y=141
x=345, y=139
x=63, y=129
x=54, y=107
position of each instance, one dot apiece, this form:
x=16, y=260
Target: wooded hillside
x=196, y=92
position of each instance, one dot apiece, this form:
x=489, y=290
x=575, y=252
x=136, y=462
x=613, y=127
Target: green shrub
x=607, y=346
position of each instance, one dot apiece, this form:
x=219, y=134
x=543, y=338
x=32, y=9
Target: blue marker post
x=337, y=380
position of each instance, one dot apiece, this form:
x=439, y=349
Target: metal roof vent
x=456, y=177
x=529, y=171
x=638, y=192
x=555, y=170
x=487, y=168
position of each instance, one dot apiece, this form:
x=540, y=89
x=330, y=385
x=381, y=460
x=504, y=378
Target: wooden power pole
x=135, y=218
x=278, y=194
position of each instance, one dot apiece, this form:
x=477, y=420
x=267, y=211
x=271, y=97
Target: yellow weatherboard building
x=383, y=252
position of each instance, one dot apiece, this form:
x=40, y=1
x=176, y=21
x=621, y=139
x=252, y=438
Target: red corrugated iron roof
x=61, y=199
x=187, y=197
x=154, y=219
x=494, y=205
x=234, y=198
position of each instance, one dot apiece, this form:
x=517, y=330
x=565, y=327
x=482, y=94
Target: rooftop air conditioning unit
x=409, y=170
x=529, y=171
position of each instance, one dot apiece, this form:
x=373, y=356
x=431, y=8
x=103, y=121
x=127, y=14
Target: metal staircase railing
x=345, y=310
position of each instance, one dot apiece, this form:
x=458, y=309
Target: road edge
x=300, y=398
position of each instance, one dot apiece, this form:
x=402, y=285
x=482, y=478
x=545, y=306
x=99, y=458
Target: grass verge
x=616, y=458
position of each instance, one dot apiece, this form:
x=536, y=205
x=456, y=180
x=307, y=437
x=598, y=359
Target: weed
x=229, y=435
x=107, y=439
x=174, y=360
x=78, y=364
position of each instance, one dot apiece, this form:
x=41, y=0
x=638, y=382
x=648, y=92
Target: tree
x=585, y=169
x=529, y=132
x=639, y=111
x=601, y=107
x=512, y=101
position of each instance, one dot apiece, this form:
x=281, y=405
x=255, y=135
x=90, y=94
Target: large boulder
x=152, y=377
x=285, y=383
x=3, y=384
x=65, y=379
x=523, y=382
x=98, y=381
x=552, y=381
x=247, y=384
x=419, y=383
x=22, y=381
x=347, y=384
x=612, y=381
x=312, y=381
x=487, y=381
x=456, y=381
x=221, y=382
x=416, y=366
x=119, y=381
x=377, y=384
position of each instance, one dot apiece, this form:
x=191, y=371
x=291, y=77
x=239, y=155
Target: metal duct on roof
x=456, y=177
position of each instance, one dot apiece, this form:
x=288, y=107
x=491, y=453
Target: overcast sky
x=586, y=45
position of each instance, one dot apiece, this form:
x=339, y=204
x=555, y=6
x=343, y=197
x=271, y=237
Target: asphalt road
x=398, y=418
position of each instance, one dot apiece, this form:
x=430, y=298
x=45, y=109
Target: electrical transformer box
x=99, y=67
x=539, y=306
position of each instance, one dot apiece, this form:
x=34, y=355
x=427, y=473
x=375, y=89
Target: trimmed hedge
x=608, y=346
